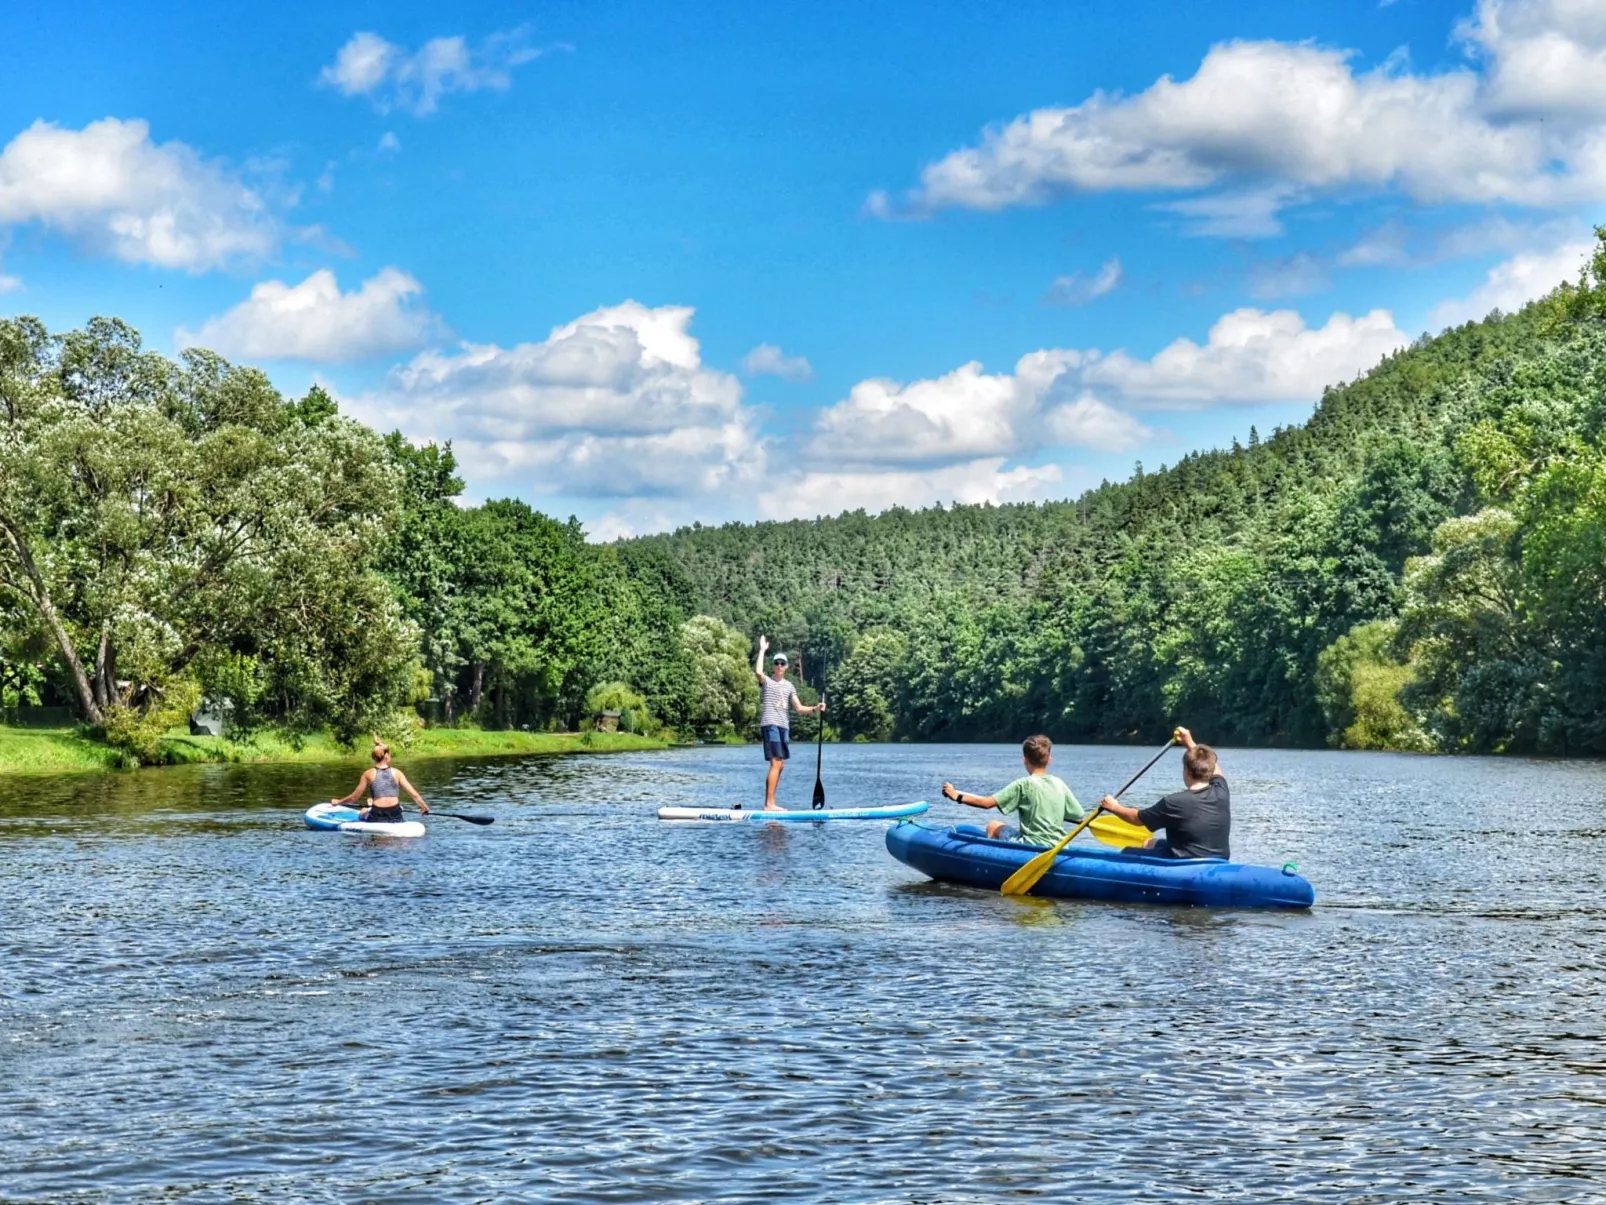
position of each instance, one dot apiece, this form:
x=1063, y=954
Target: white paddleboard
x=329, y=818
x=718, y=815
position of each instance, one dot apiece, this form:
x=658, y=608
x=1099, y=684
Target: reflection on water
x=201, y=1000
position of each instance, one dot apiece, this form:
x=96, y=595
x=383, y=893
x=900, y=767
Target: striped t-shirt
x=777, y=703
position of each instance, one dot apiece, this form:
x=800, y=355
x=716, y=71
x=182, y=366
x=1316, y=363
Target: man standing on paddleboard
x=1042, y=802
x=778, y=699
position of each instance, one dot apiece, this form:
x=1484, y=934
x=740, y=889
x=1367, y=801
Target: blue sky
x=650, y=264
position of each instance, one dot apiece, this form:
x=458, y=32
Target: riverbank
x=65, y=751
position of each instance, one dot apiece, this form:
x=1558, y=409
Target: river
x=202, y=1001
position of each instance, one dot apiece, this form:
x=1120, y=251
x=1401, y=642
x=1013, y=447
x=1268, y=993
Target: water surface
x=200, y=1000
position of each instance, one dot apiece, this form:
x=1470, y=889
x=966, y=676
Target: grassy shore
x=64, y=751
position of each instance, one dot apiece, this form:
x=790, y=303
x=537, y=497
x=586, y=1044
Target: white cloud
x=1065, y=397
x=768, y=358
x=1547, y=58
x=112, y=190
x=833, y=491
x=1247, y=213
x=391, y=77
x=1077, y=289
x=315, y=321
x=970, y=415
x=614, y=404
x=1515, y=282
x=1394, y=245
x=389, y=142
x=1250, y=356
x=1259, y=117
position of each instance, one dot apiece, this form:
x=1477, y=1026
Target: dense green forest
x=1421, y=565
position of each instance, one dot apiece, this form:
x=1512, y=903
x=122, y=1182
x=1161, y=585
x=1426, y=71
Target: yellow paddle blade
x=1024, y=879
x=1112, y=830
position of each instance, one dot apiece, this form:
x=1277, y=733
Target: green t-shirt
x=1043, y=803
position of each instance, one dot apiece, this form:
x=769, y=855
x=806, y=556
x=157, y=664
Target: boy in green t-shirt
x=1042, y=801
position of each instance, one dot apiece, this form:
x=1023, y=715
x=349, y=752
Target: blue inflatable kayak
x=964, y=855
x=892, y=812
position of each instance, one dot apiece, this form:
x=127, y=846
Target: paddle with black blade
x=819, y=756
x=461, y=816
x=1024, y=879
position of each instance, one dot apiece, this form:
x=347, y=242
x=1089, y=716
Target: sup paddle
x=460, y=816
x=819, y=755
x=1024, y=879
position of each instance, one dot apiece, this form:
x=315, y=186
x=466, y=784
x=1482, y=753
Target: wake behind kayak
x=800, y=816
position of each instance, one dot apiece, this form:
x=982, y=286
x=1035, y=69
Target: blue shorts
x=774, y=738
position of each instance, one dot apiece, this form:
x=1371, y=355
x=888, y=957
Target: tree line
x=173, y=531
x=1421, y=565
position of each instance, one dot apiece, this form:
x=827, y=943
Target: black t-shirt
x=1196, y=823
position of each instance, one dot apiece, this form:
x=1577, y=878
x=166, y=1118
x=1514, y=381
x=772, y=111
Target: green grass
x=64, y=751
x=52, y=751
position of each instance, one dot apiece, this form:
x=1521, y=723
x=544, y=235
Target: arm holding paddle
x=1184, y=738
x=401, y=781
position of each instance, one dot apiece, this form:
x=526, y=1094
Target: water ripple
x=582, y=1005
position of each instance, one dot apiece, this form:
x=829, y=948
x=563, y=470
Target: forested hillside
x=1421, y=565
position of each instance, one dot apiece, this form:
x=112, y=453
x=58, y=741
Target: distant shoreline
x=65, y=751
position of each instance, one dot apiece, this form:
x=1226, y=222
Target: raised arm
x=362, y=789
x=401, y=780
x=758, y=661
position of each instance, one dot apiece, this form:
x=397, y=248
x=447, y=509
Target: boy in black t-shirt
x=1197, y=821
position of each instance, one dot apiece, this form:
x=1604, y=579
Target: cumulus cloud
x=113, y=191
x=1077, y=289
x=315, y=321
x=1250, y=355
x=391, y=77
x=970, y=415
x=1066, y=397
x=616, y=403
x=1547, y=58
x=972, y=482
x=1271, y=122
x=768, y=358
x=1513, y=283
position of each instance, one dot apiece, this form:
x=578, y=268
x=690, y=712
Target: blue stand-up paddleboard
x=895, y=811
x=328, y=817
x=964, y=854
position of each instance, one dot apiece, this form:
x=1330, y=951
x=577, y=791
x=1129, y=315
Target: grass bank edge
x=66, y=751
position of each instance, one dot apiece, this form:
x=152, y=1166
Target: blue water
x=200, y=1000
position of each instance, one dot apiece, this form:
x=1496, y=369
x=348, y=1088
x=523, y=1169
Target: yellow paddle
x=1112, y=830
x=1024, y=879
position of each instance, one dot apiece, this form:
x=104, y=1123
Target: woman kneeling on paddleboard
x=383, y=782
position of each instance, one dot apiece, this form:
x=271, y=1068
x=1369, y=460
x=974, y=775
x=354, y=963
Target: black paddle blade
x=819, y=794
x=470, y=819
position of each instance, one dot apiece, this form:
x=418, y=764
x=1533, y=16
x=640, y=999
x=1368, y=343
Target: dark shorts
x=384, y=815
x=775, y=748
